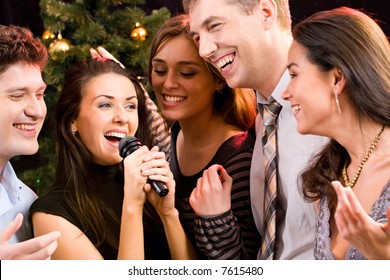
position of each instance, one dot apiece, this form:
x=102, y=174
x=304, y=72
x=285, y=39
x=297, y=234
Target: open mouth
x=225, y=62
x=173, y=99
x=114, y=136
x=296, y=108
x=24, y=126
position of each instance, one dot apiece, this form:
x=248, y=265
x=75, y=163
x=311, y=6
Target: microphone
x=128, y=145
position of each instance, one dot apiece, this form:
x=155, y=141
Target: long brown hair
x=75, y=167
x=351, y=41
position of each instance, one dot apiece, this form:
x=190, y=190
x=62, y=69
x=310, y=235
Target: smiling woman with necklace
x=342, y=90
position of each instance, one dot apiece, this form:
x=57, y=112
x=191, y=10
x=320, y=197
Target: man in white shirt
x=248, y=41
x=22, y=113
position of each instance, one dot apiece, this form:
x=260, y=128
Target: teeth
x=174, y=99
x=223, y=62
x=25, y=126
x=296, y=108
x=115, y=134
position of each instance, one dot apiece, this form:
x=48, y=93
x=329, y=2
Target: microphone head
x=128, y=145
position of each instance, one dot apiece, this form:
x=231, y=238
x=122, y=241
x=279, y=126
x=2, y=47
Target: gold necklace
x=364, y=159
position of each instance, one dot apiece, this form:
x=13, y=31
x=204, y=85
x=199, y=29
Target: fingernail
x=147, y=158
x=145, y=170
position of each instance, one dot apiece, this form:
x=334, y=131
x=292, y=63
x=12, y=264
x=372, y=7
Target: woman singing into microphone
x=102, y=206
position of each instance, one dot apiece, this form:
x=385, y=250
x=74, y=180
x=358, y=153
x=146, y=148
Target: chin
x=30, y=150
x=303, y=130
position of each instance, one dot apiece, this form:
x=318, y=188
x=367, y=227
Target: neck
x=363, y=136
x=276, y=64
x=373, y=146
x=3, y=162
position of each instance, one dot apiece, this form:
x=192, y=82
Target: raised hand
x=102, y=52
x=358, y=228
x=38, y=248
x=212, y=193
x=157, y=168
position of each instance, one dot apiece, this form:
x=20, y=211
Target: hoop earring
x=337, y=101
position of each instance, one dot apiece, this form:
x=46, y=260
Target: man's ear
x=268, y=9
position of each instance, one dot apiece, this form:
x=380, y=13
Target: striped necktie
x=270, y=115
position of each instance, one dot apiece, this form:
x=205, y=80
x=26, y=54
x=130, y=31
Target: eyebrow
x=24, y=89
x=291, y=64
x=112, y=97
x=184, y=62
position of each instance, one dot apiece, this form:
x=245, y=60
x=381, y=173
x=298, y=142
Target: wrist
x=172, y=215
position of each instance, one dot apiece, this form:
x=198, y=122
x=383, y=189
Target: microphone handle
x=159, y=187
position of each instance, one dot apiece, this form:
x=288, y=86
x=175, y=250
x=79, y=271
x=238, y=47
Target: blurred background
x=70, y=28
x=27, y=12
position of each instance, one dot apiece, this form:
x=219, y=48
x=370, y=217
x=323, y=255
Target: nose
x=171, y=80
x=36, y=108
x=207, y=47
x=120, y=115
x=286, y=94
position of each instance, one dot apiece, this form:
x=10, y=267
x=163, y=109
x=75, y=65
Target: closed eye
x=104, y=105
x=160, y=72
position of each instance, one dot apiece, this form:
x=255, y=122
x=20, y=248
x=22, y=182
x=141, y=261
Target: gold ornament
x=364, y=159
x=60, y=44
x=48, y=35
x=139, y=33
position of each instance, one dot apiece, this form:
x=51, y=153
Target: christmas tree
x=71, y=29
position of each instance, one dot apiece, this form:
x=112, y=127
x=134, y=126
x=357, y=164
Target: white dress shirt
x=15, y=197
x=295, y=234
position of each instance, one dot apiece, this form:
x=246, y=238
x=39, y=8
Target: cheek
x=134, y=122
x=157, y=83
x=43, y=107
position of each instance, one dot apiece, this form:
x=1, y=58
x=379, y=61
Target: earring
x=74, y=132
x=337, y=101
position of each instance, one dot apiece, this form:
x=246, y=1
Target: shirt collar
x=276, y=94
x=10, y=182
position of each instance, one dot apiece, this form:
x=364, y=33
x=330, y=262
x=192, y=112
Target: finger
x=205, y=187
x=104, y=53
x=214, y=178
x=147, y=187
x=42, y=254
x=154, y=149
x=341, y=195
x=199, y=186
x=154, y=154
x=340, y=219
x=7, y=232
x=94, y=53
x=194, y=197
x=356, y=213
x=40, y=246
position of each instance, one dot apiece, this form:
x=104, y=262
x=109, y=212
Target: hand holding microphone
x=128, y=145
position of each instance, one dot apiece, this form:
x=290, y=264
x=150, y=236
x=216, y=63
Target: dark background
x=26, y=12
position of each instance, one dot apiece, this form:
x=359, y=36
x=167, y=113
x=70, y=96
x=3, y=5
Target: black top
x=55, y=202
x=230, y=235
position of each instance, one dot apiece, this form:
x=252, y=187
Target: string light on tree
x=60, y=44
x=139, y=33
